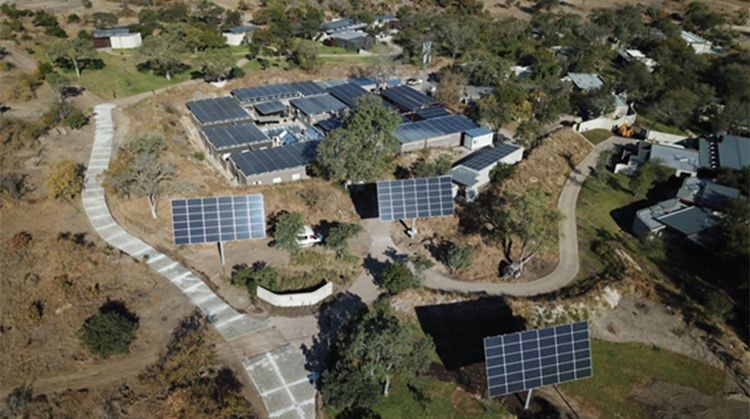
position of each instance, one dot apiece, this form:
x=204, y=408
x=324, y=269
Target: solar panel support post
x=412, y=231
x=528, y=399
x=221, y=252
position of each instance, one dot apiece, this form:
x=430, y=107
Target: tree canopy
x=287, y=227
x=163, y=53
x=75, y=52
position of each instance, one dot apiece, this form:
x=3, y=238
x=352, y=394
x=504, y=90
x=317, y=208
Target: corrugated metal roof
x=433, y=112
x=277, y=91
x=242, y=29
x=108, y=32
x=488, y=156
x=349, y=35
x=586, y=81
x=234, y=136
x=217, y=110
x=683, y=159
x=478, y=132
x=348, y=93
x=267, y=108
x=690, y=221
x=431, y=128
x=274, y=159
x=316, y=105
x=734, y=152
x=408, y=99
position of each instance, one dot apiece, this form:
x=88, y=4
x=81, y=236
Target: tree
x=591, y=105
x=110, y=331
x=339, y=236
x=163, y=53
x=65, y=180
x=76, y=119
x=138, y=171
x=424, y=167
x=364, y=148
x=397, y=277
x=522, y=224
x=200, y=37
x=216, y=64
x=450, y=89
x=304, y=55
x=75, y=51
x=459, y=256
x=260, y=274
x=368, y=355
x=288, y=226
x=648, y=174
x=677, y=106
x=502, y=171
x=734, y=238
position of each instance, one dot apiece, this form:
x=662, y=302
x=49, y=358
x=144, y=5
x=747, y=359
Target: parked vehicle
x=308, y=237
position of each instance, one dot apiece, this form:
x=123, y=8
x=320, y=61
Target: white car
x=308, y=237
x=414, y=81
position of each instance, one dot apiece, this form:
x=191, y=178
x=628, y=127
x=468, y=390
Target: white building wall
x=233, y=39
x=299, y=299
x=128, y=41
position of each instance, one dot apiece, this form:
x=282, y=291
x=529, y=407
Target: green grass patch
x=327, y=49
x=596, y=136
x=120, y=77
x=347, y=59
x=650, y=124
x=621, y=369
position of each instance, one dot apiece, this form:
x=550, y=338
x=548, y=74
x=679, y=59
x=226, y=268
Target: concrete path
x=292, y=395
x=567, y=267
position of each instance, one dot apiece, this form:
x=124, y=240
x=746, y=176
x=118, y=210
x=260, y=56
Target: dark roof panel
x=433, y=112
x=408, y=99
x=435, y=127
x=268, y=108
x=233, y=136
x=277, y=91
x=487, y=156
x=218, y=110
x=348, y=93
x=274, y=159
x=316, y=105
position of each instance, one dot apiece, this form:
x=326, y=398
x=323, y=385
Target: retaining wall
x=663, y=137
x=299, y=299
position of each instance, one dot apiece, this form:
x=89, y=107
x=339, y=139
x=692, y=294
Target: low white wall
x=233, y=39
x=604, y=122
x=299, y=299
x=131, y=40
x=663, y=137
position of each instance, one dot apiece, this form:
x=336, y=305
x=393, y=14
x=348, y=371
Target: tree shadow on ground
x=365, y=199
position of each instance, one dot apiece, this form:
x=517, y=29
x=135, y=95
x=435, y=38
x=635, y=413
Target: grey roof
x=256, y=162
x=586, y=81
x=650, y=215
x=690, y=221
x=708, y=153
x=242, y=29
x=277, y=91
x=386, y=18
x=364, y=81
x=330, y=124
x=464, y=176
x=327, y=84
x=349, y=35
x=233, y=136
x=348, y=93
x=433, y=112
x=692, y=38
x=217, y=110
x=683, y=159
x=267, y=108
x=337, y=24
x=716, y=196
x=107, y=32
x=316, y=105
x=734, y=152
x=431, y=128
x=488, y=156
x=407, y=99
x=478, y=132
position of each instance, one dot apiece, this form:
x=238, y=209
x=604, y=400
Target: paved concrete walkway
x=567, y=267
x=291, y=394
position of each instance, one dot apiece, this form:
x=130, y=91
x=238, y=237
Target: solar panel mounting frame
x=218, y=219
x=403, y=199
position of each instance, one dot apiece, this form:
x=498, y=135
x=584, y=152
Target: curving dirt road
x=567, y=268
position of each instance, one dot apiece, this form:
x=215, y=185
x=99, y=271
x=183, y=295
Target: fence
x=299, y=299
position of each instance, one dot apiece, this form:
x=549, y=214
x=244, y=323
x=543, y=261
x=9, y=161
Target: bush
x=65, y=180
x=258, y=274
x=110, y=331
x=421, y=263
x=398, y=277
x=501, y=172
x=459, y=256
x=199, y=155
x=74, y=18
x=339, y=236
x=76, y=119
x=288, y=226
x=13, y=185
x=720, y=305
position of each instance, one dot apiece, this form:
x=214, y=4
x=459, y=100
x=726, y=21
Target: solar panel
x=348, y=93
x=235, y=136
x=218, y=110
x=267, y=108
x=432, y=112
x=316, y=105
x=535, y=358
x=277, y=91
x=218, y=219
x=431, y=128
x=487, y=156
x=273, y=159
x=415, y=198
x=407, y=99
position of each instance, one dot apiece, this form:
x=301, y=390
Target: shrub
x=76, y=119
x=339, y=236
x=65, y=180
x=501, y=172
x=199, y=155
x=258, y=274
x=398, y=277
x=421, y=263
x=74, y=18
x=719, y=305
x=13, y=185
x=459, y=256
x=288, y=226
x=110, y=331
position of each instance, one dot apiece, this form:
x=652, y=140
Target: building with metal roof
x=340, y=25
x=222, y=140
x=312, y=109
x=683, y=160
x=472, y=173
x=222, y=110
x=699, y=44
x=270, y=108
x=239, y=34
x=730, y=151
x=116, y=38
x=277, y=91
x=352, y=40
x=631, y=55
x=273, y=165
x=407, y=99
x=692, y=222
x=586, y=82
x=348, y=93
x=706, y=193
x=436, y=132
x=646, y=224
x=432, y=112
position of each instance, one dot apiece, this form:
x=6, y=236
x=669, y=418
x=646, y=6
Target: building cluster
x=269, y=134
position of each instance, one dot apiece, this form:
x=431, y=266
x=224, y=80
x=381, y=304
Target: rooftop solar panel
x=218, y=219
x=348, y=93
x=535, y=358
x=435, y=127
x=316, y=105
x=277, y=158
x=234, y=136
x=277, y=91
x=415, y=198
x=267, y=108
x=487, y=156
x=408, y=99
x=433, y=112
x=217, y=111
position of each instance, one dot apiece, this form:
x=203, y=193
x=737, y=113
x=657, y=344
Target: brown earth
x=546, y=167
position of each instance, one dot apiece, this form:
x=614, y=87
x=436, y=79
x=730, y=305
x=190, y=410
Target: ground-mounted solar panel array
x=487, y=156
x=277, y=91
x=404, y=199
x=535, y=358
x=218, y=219
x=217, y=111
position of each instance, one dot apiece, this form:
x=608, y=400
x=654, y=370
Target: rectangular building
x=222, y=110
x=436, y=132
x=273, y=165
x=223, y=140
x=472, y=173
x=407, y=99
x=317, y=108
